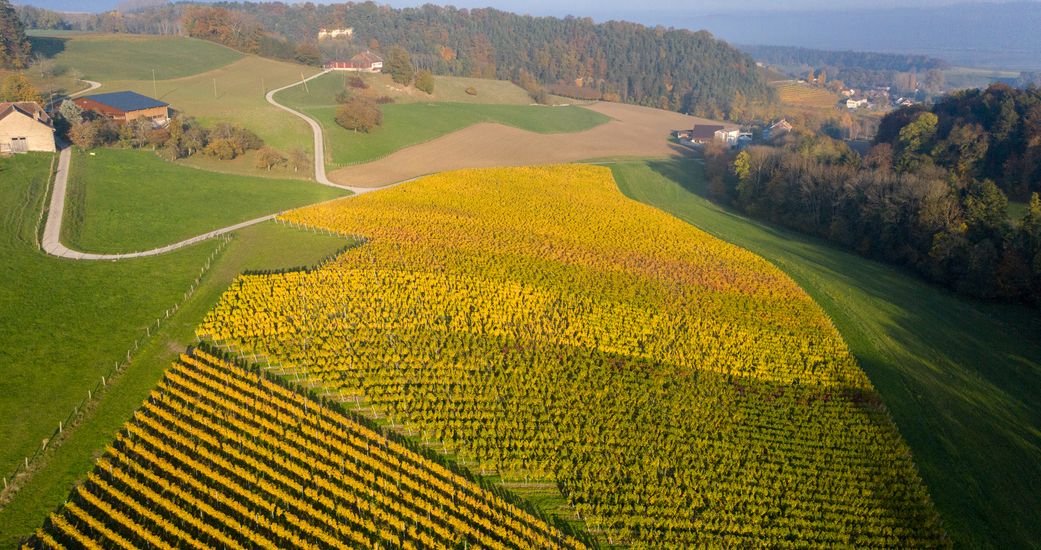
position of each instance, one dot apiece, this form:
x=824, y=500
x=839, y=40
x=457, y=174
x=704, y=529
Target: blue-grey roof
x=126, y=101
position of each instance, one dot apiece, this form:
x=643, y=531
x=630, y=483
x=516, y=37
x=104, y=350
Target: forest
x=923, y=196
x=666, y=68
x=856, y=69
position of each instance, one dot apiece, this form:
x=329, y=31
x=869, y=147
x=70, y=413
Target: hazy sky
x=657, y=11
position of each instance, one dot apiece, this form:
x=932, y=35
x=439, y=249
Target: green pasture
x=122, y=200
x=65, y=323
x=961, y=378
x=406, y=124
x=105, y=57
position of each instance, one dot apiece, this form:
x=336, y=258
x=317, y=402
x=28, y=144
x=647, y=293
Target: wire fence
x=13, y=481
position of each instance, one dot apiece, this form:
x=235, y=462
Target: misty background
x=1003, y=35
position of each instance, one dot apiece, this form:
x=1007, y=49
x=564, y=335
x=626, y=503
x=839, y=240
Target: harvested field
x=635, y=131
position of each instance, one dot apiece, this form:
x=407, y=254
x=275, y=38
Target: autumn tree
x=298, y=159
x=16, y=87
x=268, y=158
x=360, y=114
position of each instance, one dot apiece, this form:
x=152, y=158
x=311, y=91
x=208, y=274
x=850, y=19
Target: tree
x=17, y=87
x=307, y=54
x=360, y=114
x=399, y=65
x=298, y=159
x=85, y=135
x=14, y=46
x=71, y=112
x=268, y=158
x=914, y=138
x=425, y=82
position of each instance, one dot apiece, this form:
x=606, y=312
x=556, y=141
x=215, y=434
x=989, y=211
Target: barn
x=365, y=61
x=24, y=127
x=125, y=107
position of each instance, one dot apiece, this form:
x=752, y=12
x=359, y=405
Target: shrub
x=222, y=148
x=343, y=96
x=268, y=158
x=357, y=82
x=425, y=82
x=360, y=114
x=384, y=99
x=470, y=90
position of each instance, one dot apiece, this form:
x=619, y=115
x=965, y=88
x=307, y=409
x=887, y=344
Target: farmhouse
x=365, y=61
x=777, y=129
x=25, y=126
x=704, y=133
x=125, y=107
x=325, y=34
x=856, y=103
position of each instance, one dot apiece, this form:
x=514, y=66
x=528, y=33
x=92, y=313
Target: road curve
x=319, y=140
x=51, y=243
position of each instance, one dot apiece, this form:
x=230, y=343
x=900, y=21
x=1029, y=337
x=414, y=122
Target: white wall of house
x=16, y=125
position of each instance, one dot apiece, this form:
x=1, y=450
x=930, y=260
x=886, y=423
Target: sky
x=650, y=11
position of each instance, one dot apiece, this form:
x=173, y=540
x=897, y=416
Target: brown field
x=635, y=131
x=804, y=95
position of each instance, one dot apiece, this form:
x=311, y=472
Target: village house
x=856, y=103
x=24, y=127
x=125, y=107
x=704, y=133
x=365, y=61
x=327, y=34
x=777, y=129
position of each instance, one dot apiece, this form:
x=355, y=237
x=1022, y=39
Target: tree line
x=895, y=204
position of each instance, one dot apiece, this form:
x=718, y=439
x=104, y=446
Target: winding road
x=51, y=243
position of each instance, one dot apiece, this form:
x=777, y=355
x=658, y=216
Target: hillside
x=728, y=409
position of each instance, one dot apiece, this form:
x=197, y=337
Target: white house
x=728, y=135
x=856, y=103
x=25, y=126
x=326, y=34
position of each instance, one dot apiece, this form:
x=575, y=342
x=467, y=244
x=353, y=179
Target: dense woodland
x=924, y=196
x=856, y=69
x=666, y=68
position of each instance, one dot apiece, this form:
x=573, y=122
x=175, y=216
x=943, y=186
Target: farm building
x=365, y=61
x=325, y=34
x=780, y=128
x=705, y=133
x=125, y=106
x=25, y=126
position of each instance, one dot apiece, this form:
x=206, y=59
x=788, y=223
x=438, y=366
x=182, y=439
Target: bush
x=384, y=99
x=268, y=158
x=243, y=139
x=425, y=82
x=470, y=90
x=223, y=149
x=343, y=96
x=359, y=114
x=357, y=82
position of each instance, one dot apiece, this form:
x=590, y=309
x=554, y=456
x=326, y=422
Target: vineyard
x=221, y=456
x=678, y=390
x=804, y=95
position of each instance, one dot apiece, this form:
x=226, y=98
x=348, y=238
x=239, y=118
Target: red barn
x=365, y=61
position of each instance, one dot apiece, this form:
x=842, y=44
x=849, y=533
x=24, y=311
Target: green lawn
x=961, y=378
x=447, y=89
x=122, y=200
x=65, y=323
x=407, y=124
x=104, y=57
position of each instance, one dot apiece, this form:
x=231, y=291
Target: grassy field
x=239, y=98
x=320, y=91
x=106, y=57
x=65, y=323
x=961, y=378
x=407, y=124
x=804, y=95
x=113, y=207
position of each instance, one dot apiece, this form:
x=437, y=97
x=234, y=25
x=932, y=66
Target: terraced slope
x=678, y=390
x=219, y=456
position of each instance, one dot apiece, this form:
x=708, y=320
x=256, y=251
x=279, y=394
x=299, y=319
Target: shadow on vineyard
x=961, y=378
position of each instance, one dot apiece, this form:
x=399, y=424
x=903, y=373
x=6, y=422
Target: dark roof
x=126, y=101
x=29, y=108
x=705, y=131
